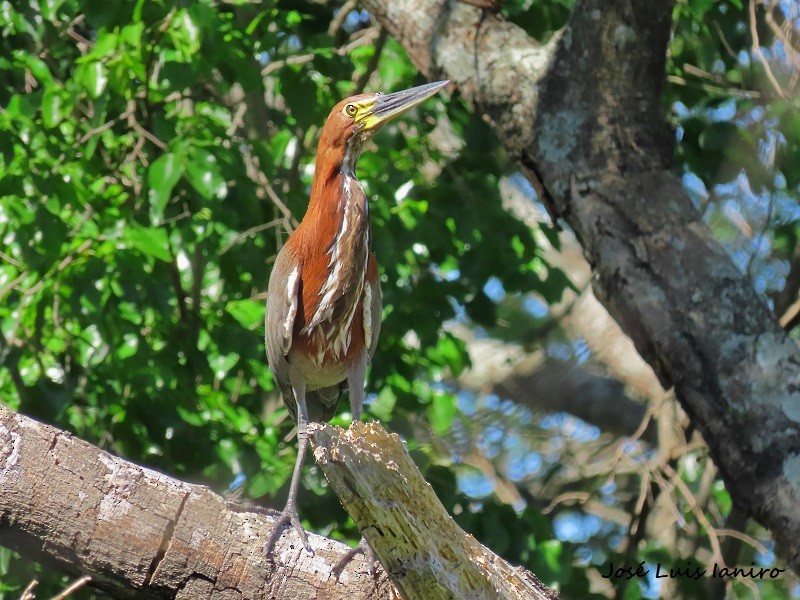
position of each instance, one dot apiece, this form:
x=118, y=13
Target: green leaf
x=105, y=44
x=482, y=310
x=151, y=241
x=450, y=351
x=633, y=590
x=222, y=363
x=219, y=115
x=132, y=34
x=701, y=7
x=137, y=11
x=300, y=94
x=722, y=497
x=262, y=373
x=261, y=484
x=441, y=412
x=162, y=176
x=185, y=36
x=383, y=405
x=551, y=551
x=203, y=174
x=717, y=136
x=50, y=8
x=93, y=77
x=553, y=288
x=249, y=313
x=51, y=107
x=36, y=65
x=128, y=347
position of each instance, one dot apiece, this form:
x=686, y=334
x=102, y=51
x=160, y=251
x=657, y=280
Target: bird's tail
x=321, y=403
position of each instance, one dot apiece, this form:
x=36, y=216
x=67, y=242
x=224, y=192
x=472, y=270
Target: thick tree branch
x=141, y=534
x=395, y=508
x=543, y=384
x=583, y=115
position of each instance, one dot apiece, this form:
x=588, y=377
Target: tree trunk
x=583, y=117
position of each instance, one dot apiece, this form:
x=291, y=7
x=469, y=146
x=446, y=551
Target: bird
x=324, y=297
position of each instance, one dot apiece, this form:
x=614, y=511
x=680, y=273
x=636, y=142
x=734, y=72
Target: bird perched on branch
x=324, y=298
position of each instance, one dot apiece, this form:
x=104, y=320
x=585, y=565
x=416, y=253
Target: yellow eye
x=351, y=110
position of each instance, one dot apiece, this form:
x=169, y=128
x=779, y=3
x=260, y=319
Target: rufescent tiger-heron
x=324, y=297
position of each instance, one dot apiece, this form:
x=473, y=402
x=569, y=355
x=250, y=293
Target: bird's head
x=354, y=120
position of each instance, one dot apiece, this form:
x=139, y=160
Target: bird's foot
x=362, y=548
x=289, y=517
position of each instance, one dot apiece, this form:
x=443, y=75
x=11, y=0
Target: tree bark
x=141, y=534
x=583, y=117
x=396, y=509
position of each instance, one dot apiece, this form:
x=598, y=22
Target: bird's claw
x=290, y=517
x=362, y=548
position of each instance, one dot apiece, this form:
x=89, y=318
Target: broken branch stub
x=427, y=555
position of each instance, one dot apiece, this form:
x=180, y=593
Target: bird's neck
x=337, y=198
x=336, y=231
x=338, y=211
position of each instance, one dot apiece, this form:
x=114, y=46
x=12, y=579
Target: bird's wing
x=372, y=315
x=283, y=294
x=372, y=306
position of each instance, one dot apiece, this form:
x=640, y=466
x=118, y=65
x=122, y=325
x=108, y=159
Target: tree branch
x=788, y=295
x=547, y=385
x=583, y=116
x=570, y=388
x=384, y=492
x=141, y=534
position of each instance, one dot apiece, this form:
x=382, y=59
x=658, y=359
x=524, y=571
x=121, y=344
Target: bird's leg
x=289, y=516
x=356, y=377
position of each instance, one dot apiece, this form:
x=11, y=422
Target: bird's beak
x=387, y=106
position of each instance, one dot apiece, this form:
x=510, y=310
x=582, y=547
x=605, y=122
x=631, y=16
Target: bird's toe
x=288, y=517
x=362, y=548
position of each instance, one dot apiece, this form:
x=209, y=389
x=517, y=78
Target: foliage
x=736, y=113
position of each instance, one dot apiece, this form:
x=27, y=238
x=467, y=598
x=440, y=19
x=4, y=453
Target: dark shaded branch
x=559, y=387
x=789, y=294
x=363, y=78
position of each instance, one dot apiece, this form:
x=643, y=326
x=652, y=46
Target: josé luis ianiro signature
x=690, y=571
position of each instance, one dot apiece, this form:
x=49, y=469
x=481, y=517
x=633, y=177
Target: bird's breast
x=341, y=337
x=336, y=261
